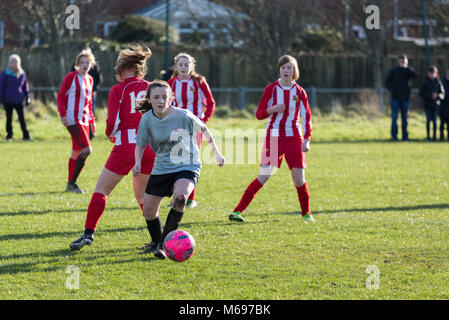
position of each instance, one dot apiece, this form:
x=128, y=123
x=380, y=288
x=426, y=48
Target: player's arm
x=138, y=154
x=210, y=102
x=142, y=140
x=113, y=111
x=62, y=98
x=306, y=116
x=265, y=107
x=210, y=139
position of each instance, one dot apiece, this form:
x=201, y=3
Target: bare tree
x=264, y=30
x=53, y=32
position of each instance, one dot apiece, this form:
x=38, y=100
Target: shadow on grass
x=39, y=212
x=65, y=234
x=365, y=141
x=224, y=222
x=98, y=258
x=27, y=194
x=405, y=208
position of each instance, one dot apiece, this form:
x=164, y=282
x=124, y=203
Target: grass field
x=376, y=203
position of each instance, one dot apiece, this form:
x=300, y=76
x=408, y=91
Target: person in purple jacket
x=14, y=91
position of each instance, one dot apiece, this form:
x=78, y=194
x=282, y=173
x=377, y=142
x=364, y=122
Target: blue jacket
x=13, y=88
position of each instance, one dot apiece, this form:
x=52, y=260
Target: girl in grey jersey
x=171, y=133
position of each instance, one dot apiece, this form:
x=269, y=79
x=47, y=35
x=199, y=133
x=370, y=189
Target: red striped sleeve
x=209, y=102
x=261, y=112
x=62, y=98
x=306, y=115
x=196, y=100
x=113, y=110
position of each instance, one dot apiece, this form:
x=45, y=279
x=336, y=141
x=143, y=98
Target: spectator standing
x=14, y=91
x=397, y=82
x=432, y=92
x=444, y=109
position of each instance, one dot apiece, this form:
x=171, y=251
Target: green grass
x=376, y=203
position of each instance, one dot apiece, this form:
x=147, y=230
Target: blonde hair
x=145, y=106
x=286, y=59
x=195, y=76
x=85, y=53
x=135, y=58
x=19, y=62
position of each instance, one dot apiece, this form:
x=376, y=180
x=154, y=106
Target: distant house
x=201, y=21
x=97, y=18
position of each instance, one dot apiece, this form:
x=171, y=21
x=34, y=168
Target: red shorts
x=122, y=160
x=275, y=148
x=80, y=136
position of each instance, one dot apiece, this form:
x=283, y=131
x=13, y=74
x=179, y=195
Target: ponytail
x=144, y=106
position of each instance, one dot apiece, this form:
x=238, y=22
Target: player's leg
x=139, y=184
x=299, y=179
x=141, y=181
x=79, y=165
x=296, y=160
x=182, y=187
x=151, y=208
x=271, y=157
x=265, y=173
x=191, y=202
x=81, y=149
x=71, y=165
x=107, y=181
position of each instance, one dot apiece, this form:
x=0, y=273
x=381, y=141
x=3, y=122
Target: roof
x=185, y=9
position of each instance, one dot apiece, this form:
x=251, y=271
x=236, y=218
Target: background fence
x=326, y=99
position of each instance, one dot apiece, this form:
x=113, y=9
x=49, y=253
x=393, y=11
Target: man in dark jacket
x=397, y=83
x=432, y=92
x=444, y=108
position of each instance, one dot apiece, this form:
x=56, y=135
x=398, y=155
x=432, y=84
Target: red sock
x=192, y=195
x=72, y=166
x=248, y=195
x=304, y=198
x=95, y=210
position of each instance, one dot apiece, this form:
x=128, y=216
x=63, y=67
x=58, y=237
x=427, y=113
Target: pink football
x=179, y=245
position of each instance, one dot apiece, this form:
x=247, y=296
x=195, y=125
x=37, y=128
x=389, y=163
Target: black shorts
x=161, y=185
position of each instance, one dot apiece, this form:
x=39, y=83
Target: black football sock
x=172, y=222
x=79, y=165
x=155, y=229
x=89, y=233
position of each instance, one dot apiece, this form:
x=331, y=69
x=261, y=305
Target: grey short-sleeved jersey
x=173, y=139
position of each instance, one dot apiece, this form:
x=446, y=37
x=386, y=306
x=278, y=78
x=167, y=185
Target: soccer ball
x=179, y=245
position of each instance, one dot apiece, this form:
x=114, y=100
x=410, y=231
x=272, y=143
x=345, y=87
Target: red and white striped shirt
x=192, y=94
x=286, y=124
x=75, y=98
x=123, y=119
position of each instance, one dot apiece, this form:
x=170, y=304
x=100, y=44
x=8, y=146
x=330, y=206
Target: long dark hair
x=144, y=106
